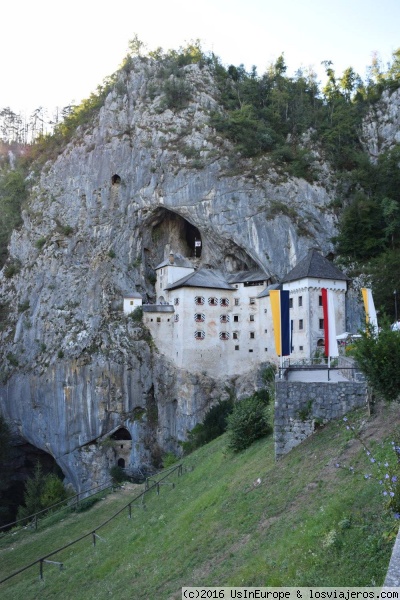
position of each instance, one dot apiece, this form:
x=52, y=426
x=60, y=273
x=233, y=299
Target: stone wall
x=301, y=406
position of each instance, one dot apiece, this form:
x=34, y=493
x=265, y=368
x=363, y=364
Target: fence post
x=130, y=511
x=41, y=569
x=94, y=537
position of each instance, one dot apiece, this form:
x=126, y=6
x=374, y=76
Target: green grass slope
x=307, y=523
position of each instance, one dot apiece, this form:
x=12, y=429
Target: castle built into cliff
x=205, y=321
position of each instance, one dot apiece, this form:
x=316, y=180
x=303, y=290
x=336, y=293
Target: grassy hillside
x=307, y=523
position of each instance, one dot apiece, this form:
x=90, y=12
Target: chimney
x=171, y=258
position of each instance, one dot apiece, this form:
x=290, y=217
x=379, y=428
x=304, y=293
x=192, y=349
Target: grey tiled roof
x=179, y=261
x=273, y=286
x=316, y=266
x=132, y=295
x=203, y=278
x=245, y=276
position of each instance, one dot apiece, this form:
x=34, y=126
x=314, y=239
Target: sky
x=53, y=53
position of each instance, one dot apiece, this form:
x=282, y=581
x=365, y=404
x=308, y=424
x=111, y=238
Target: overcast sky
x=52, y=53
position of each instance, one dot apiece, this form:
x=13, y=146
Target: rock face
x=381, y=127
x=141, y=181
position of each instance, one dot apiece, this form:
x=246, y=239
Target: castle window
x=290, y=302
x=236, y=301
x=115, y=179
x=236, y=318
x=199, y=300
x=300, y=300
x=199, y=317
x=252, y=335
x=224, y=302
x=236, y=347
x=176, y=301
x=251, y=317
x=131, y=302
x=252, y=300
x=213, y=301
x=224, y=318
x=265, y=330
x=158, y=319
x=235, y=335
x=319, y=300
x=176, y=318
x=300, y=348
x=321, y=323
x=224, y=335
x=301, y=324
x=199, y=335
x=250, y=350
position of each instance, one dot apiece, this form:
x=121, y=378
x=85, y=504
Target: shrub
x=169, y=459
x=23, y=306
x=247, y=423
x=214, y=424
x=41, y=491
x=60, y=354
x=137, y=314
x=40, y=243
x=117, y=474
x=11, y=270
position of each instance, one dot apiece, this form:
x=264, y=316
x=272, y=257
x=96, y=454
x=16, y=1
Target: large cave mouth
x=21, y=465
x=166, y=232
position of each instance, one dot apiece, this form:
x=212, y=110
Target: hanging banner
x=281, y=321
x=370, y=312
x=331, y=346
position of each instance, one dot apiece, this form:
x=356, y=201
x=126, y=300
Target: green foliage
x=117, y=474
x=214, y=424
x=177, y=93
x=169, y=459
x=12, y=359
x=13, y=193
x=137, y=314
x=378, y=355
x=41, y=492
x=111, y=253
x=40, y=243
x=11, y=270
x=247, y=423
x=23, y=306
x=60, y=354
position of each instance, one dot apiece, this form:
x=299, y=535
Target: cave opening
x=23, y=458
x=121, y=434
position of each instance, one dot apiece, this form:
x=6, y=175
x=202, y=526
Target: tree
x=41, y=491
x=378, y=356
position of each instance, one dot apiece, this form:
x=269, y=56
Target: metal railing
x=93, y=533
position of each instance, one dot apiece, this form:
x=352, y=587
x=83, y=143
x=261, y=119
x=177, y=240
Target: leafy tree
x=214, y=424
x=378, y=355
x=247, y=423
x=41, y=491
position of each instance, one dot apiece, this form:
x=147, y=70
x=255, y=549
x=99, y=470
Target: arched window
x=224, y=335
x=199, y=335
x=121, y=463
x=213, y=301
x=224, y=318
x=115, y=179
x=224, y=301
x=199, y=300
x=199, y=317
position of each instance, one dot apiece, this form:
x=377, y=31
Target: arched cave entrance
x=121, y=463
x=115, y=179
x=121, y=434
x=19, y=467
x=166, y=231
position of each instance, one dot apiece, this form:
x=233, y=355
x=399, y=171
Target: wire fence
x=32, y=520
x=93, y=534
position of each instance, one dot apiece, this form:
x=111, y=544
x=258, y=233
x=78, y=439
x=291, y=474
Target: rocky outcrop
x=381, y=126
x=141, y=181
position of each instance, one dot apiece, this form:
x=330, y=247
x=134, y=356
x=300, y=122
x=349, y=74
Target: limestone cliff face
x=141, y=181
x=381, y=127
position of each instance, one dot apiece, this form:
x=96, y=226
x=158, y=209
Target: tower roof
x=314, y=265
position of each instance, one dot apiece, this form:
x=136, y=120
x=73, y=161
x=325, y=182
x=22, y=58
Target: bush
x=117, y=474
x=137, y=314
x=247, y=423
x=41, y=491
x=214, y=424
x=40, y=243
